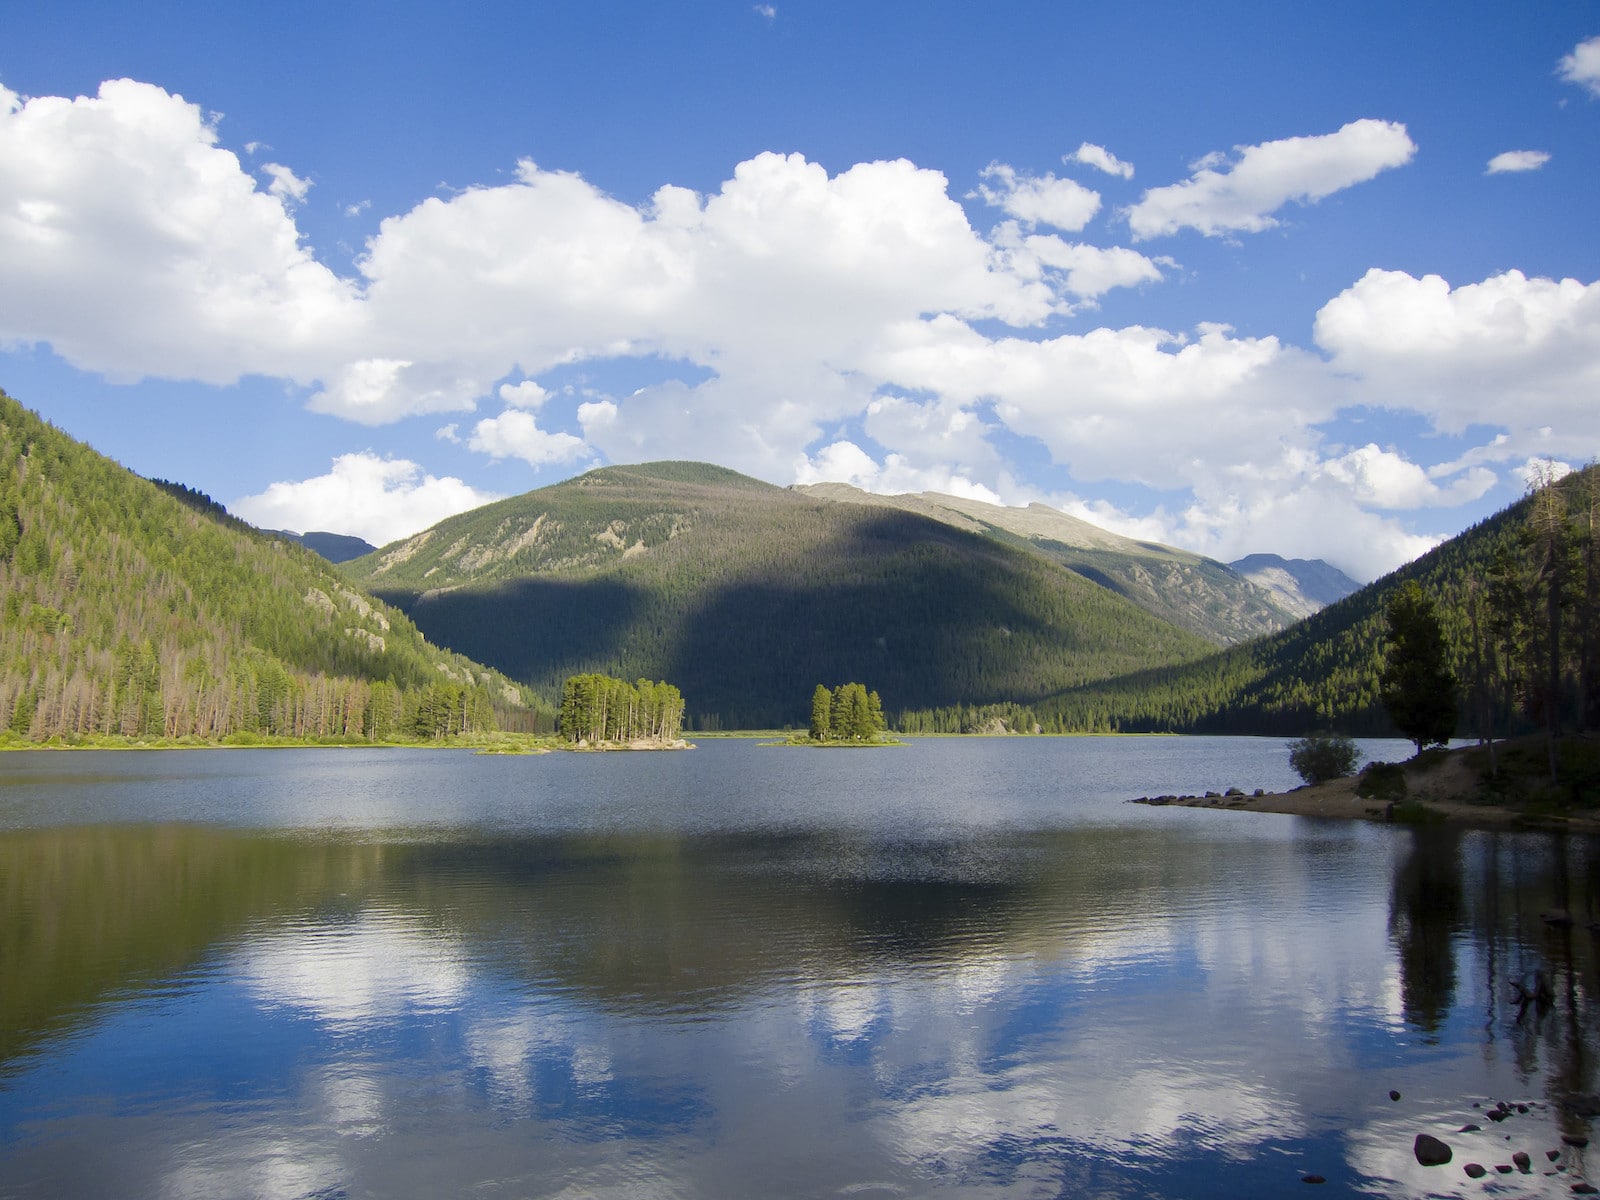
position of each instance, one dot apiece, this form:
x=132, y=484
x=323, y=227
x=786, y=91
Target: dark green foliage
x=970, y=718
x=1416, y=686
x=821, y=708
x=131, y=608
x=1382, y=781
x=745, y=593
x=1323, y=756
x=596, y=708
x=849, y=713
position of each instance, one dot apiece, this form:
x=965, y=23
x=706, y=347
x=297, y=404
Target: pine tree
x=821, y=704
x=1417, y=687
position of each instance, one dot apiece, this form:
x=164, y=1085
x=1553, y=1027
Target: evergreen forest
x=141, y=610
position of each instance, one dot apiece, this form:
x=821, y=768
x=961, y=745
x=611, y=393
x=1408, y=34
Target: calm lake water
x=962, y=968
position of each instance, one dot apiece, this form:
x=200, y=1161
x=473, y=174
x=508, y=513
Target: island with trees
x=598, y=712
x=847, y=715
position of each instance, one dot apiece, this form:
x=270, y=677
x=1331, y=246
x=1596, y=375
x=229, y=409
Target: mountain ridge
x=1191, y=591
x=747, y=595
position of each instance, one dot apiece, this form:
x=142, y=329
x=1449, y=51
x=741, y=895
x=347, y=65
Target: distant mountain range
x=335, y=547
x=747, y=596
x=142, y=607
x=1300, y=586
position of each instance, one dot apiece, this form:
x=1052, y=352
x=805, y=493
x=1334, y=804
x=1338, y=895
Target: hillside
x=1324, y=668
x=747, y=595
x=131, y=607
x=1189, y=590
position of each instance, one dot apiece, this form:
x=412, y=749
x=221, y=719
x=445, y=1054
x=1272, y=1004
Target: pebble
x=1575, y=1139
x=1312, y=1179
x=1393, y=1095
x=1475, y=1170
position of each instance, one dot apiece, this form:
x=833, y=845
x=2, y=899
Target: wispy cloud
x=1266, y=177
x=1517, y=160
x=1101, y=159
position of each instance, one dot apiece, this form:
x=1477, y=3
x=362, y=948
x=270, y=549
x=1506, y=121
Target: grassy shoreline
x=1446, y=787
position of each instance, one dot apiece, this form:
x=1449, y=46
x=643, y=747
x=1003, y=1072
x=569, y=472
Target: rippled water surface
x=964, y=968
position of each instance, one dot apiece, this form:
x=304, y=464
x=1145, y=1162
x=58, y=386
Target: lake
x=965, y=967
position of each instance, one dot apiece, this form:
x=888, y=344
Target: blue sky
x=1313, y=280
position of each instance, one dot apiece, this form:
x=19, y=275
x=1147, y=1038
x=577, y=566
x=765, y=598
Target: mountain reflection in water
x=1115, y=1004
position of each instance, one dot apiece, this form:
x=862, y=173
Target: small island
x=601, y=713
x=845, y=716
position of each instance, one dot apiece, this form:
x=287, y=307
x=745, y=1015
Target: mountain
x=1300, y=586
x=138, y=607
x=747, y=596
x=1323, y=669
x=335, y=547
x=1189, y=590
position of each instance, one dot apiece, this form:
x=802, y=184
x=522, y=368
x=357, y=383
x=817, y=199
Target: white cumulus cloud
x=1517, y=160
x=286, y=185
x=1264, y=178
x=515, y=433
x=1038, y=199
x=135, y=246
x=1101, y=159
x=1509, y=352
x=1582, y=66
x=379, y=499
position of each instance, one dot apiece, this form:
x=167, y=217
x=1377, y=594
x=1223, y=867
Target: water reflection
x=1099, y=1010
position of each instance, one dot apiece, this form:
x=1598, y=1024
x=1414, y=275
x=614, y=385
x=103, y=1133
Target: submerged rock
x=1430, y=1151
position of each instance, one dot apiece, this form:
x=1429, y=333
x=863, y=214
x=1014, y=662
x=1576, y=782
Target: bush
x=1323, y=756
x=1382, y=781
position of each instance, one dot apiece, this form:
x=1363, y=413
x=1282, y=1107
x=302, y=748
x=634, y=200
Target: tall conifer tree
x=1417, y=687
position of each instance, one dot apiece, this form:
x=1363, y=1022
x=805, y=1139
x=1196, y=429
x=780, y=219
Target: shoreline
x=1444, y=791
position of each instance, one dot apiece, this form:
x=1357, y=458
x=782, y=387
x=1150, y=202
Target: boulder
x=1430, y=1151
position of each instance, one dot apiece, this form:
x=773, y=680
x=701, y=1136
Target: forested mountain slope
x=1193, y=592
x=747, y=596
x=131, y=608
x=1324, y=669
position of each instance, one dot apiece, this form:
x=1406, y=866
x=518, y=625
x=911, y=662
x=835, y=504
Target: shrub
x=1323, y=756
x=1382, y=781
